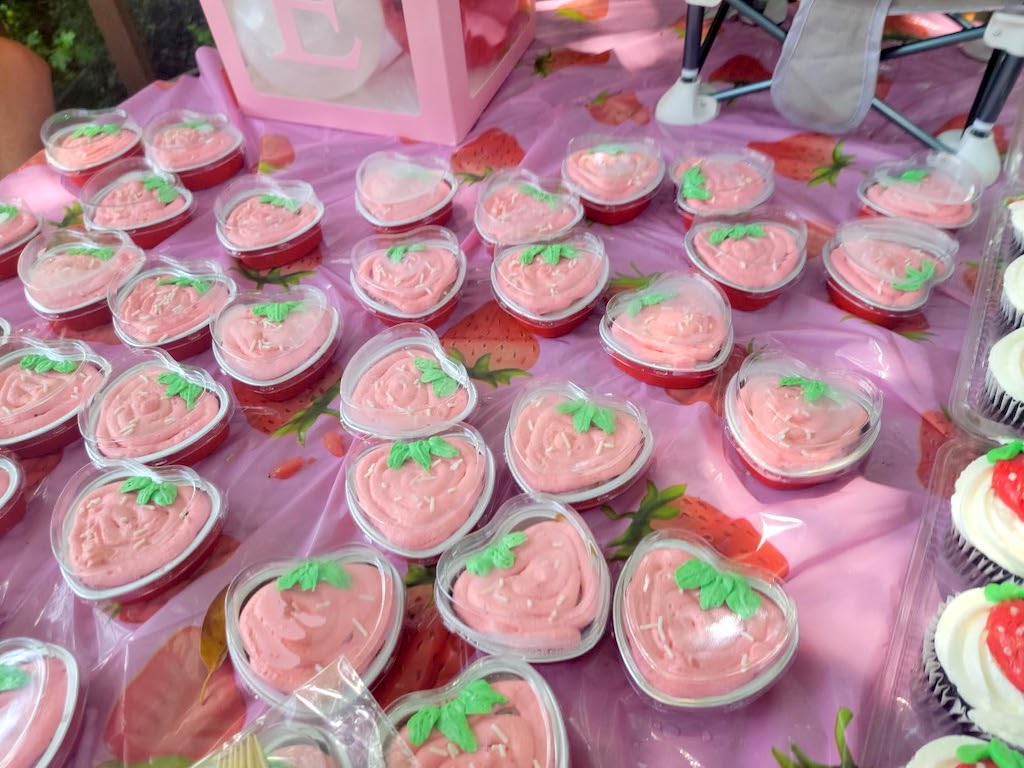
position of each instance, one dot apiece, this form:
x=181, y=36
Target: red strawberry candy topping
x=1008, y=475
x=1005, y=630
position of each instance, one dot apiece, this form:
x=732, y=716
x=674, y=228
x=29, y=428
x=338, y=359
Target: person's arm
x=26, y=100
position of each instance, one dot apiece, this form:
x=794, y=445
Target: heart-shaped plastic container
x=676, y=332
x=202, y=149
x=615, y=179
x=80, y=142
x=396, y=193
x=713, y=180
x=12, y=493
x=794, y=426
x=401, y=385
x=18, y=225
x=517, y=207
x=578, y=447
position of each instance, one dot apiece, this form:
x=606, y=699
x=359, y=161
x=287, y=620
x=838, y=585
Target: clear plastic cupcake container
x=277, y=344
x=301, y=745
x=204, y=150
x=615, y=178
x=51, y=383
x=884, y=270
x=518, y=694
x=132, y=196
x=489, y=592
x=152, y=528
x=18, y=225
x=753, y=257
x=373, y=639
x=5, y=331
x=80, y=142
x=415, y=277
x=578, y=447
x=712, y=180
x=795, y=426
x=517, y=207
x=396, y=193
x=550, y=288
x=171, y=306
x=401, y=385
x=157, y=412
x=67, y=275
x=675, y=333
x=266, y=223
x=934, y=188
x=745, y=638
x=419, y=511
x=44, y=708
x=12, y=493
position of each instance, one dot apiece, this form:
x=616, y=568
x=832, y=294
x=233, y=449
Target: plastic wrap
x=517, y=207
x=396, y=193
x=202, y=149
x=81, y=142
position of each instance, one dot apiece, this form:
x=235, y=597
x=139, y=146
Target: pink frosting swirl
x=263, y=350
x=412, y=285
x=733, y=184
x=251, y=224
x=69, y=275
x=613, y=175
x=86, y=151
x=32, y=725
x=541, y=288
x=5, y=483
x=115, y=541
x=31, y=401
x=754, y=263
x=873, y=267
x=128, y=205
x=677, y=334
x=937, y=200
x=180, y=146
x=14, y=228
x=156, y=309
x=513, y=215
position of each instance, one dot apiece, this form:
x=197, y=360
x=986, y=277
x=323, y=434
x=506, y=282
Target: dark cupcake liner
x=1013, y=317
x=944, y=693
x=972, y=563
x=1001, y=406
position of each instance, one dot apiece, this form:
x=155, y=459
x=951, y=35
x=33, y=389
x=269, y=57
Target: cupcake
x=12, y=493
x=497, y=712
x=550, y=288
x=42, y=698
x=516, y=207
x=18, y=225
x=699, y=632
x=965, y=752
x=614, y=179
x=396, y=193
x=721, y=182
x=80, y=142
x=1016, y=210
x=973, y=655
x=276, y=349
x=133, y=197
x=287, y=621
x=67, y=275
x=934, y=188
x=43, y=387
x=415, y=277
x=793, y=426
x=987, y=508
x=884, y=270
x=171, y=306
x=203, y=150
x=578, y=448
x=129, y=533
x=1004, y=379
x=531, y=584
x=676, y=332
x=753, y=257
x=1011, y=301
x=402, y=385
x=157, y=412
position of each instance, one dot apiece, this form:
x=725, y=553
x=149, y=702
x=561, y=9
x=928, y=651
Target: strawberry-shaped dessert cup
x=396, y=193
x=202, y=149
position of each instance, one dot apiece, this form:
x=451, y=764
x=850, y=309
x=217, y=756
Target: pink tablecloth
x=846, y=544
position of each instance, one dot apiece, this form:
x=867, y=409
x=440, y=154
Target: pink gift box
x=422, y=69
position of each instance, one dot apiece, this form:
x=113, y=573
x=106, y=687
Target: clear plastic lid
x=712, y=179
x=890, y=263
x=393, y=189
x=547, y=282
x=152, y=410
x=263, y=338
x=44, y=384
x=516, y=207
x=935, y=188
x=169, y=301
x=402, y=385
x=12, y=480
x=80, y=139
x=300, y=745
x=39, y=697
x=116, y=531
x=698, y=631
x=611, y=170
x=757, y=252
x=257, y=212
x=18, y=224
x=288, y=619
x=5, y=331
x=408, y=276
x=798, y=422
x=416, y=498
x=519, y=715
x=131, y=194
x=679, y=323
x=574, y=445
x=64, y=270
x=183, y=140
x=532, y=583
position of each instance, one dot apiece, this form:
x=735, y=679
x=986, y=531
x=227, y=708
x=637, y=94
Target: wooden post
x=130, y=56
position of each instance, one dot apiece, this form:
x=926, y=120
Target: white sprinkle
x=529, y=424
x=535, y=764
x=368, y=472
x=456, y=464
x=453, y=751
x=560, y=600
x=500, y=597
x=647, y=581
x=529, y=602
x=365, y=597
x=565, y=439
x=360, y=627
x=501, y=750
x=552, y=616
x=139, y=544
x=437, y=750
x=661, y=631
x=431, y=503
x=744, y=663
x=322, y=604
x=450, y=490
x=746, y=635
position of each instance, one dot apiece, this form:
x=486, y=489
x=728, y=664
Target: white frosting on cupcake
x=1006, y=363
x=941, y=753
x=984, y=520
x=1017, y=218
x=1013, y=280
x=994, y=704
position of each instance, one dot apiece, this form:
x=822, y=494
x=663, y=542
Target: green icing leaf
x=916, y=279
x=636, y=305
x=432, y=373
x=8, y=212
x=694, y=574
x=200, y=285
x=913, y=175
x=92, y=130
x=1006, y=452
x=198, y=125
x=276, y=312
x=397, y=252
x=498, y=555
x=718, y=588
x=1000, y=593
x=586, y=414
x=420, y=451
x=309, y=573
x=12, y=678
x=178, y=386
x=536, y=193
x=166, y=192
x=814, y=389
x=147, y=489
x=549, y=254
x=96, y=252
x=279, y=201
x=421, y=724
x=994, y=751
x=44, y=364
x=451, y=718
x=695, y=184
x=736, y=232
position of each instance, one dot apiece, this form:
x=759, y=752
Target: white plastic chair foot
x=685, y=104
x=980, y=153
